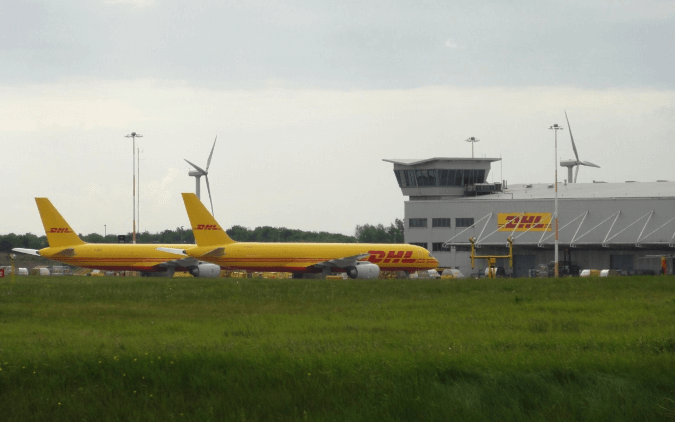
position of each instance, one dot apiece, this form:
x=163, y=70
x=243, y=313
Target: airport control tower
x=602, y=225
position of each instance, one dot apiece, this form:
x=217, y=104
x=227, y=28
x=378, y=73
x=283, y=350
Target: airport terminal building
x=601, y=225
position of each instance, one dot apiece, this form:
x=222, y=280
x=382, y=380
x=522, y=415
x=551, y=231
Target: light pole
x=133, y=136
x=473, y=141
x=555, y=128
x=105, y=233
x=138, y=150
x=12, y=257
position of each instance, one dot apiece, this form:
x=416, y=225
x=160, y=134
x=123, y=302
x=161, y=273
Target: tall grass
x=232, y=349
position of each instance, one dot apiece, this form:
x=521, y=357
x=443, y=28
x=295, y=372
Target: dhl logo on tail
x=60, y=230
x=207, y=227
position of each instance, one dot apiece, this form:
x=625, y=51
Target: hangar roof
x=585, y=190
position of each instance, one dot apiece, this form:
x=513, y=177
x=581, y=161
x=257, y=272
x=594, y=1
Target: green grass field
x=91, y=349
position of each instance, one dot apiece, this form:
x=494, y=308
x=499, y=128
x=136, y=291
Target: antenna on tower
x=473, y=140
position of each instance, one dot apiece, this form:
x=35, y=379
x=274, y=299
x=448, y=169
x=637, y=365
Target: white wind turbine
x=574, y=163
x=199, y=172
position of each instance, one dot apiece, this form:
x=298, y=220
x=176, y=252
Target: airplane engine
x=205, y=270
x=363, y=270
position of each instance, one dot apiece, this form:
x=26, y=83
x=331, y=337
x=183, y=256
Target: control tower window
x=439, y=177
x=458, y=178
x=468, y=177
x=405, y=178
x=417, y=223
x=440, y=222
x=426, y=177
x=446, y=177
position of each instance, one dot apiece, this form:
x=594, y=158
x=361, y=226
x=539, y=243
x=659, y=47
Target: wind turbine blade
x=195, y=166
x=586, y=163
x=209, y=189
x=574, y=147
x=208, y=163
x=576, y=173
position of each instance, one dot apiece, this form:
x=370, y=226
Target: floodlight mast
x=133, y=136
x=138, y=185
x=473, y=140
x=555, y=128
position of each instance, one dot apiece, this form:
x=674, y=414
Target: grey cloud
x=341, y=44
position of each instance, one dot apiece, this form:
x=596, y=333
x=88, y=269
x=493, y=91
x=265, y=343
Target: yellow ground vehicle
x=491, y=271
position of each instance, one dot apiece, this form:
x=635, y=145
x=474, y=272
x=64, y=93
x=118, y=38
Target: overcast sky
x=308, y=97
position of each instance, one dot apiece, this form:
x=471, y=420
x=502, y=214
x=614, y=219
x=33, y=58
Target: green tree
x=395, y=231
x=368, y=233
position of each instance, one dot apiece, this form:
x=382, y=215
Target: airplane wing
x=180, y=263
x=27, y=251
x=187, y=261
x=174, y=251
x=210, y=254
x=348, y=261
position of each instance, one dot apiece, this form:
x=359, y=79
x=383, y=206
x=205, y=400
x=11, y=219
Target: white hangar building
x=601, y=225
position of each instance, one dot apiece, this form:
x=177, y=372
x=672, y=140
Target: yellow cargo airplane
x=67, y=247
x=358, y=260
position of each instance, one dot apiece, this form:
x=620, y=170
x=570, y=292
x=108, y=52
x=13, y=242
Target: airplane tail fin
x=58, y=231
x=206, y=229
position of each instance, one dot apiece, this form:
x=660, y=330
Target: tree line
x=366, y=233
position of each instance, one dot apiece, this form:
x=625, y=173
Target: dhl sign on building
x=529, y=221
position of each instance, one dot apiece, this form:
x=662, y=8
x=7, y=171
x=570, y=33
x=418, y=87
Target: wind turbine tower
x=198, y=172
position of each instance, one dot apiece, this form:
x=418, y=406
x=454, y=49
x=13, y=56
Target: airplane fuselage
x=113, y=257
x=300, y=257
